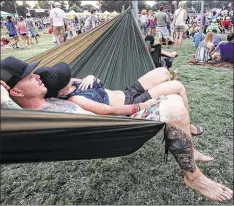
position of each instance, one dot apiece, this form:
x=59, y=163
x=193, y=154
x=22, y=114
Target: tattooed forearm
x=10, y=104
x=180, y=146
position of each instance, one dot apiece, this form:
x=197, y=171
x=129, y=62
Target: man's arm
x=51, y=21
x=51, y=18
x=16, y=28
x=217, y=48
x=185, y=15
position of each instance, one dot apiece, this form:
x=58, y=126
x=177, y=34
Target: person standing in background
x=178, y=24
x=30, y=25
x=23, y=31
x=162, y=19
x=58, y=22
x=169, y=15
x=12, y=31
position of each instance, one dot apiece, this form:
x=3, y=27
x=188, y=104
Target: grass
x=143, y=177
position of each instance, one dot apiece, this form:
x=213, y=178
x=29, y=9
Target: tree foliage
x=118, y=5
x=43, y=4
x=9, y=6
x=23, y=9
x=87, y=7
x=74, y=8
x=13, y=7
x=167, y=5
x=74, y=3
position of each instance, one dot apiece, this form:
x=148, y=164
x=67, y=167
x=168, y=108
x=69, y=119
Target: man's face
x=31, y=86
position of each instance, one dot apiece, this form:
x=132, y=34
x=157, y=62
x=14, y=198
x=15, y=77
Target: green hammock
x=114, y=52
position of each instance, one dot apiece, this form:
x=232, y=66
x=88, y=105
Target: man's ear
x=16, y=92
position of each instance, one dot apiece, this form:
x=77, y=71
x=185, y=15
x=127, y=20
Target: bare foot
x=198, y=156
x=209, y=188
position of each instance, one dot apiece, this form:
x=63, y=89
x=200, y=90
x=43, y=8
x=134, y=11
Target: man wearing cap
x=58, y=22
x=29, y=91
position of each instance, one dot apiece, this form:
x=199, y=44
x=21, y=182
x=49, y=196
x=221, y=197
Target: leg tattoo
x=180, y=146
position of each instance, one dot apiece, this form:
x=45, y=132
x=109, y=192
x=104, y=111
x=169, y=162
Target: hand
x=4, y=85
x=148, y=103
x=4, y=92
x=87, y=82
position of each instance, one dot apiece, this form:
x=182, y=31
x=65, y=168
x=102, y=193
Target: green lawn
x=143, y=177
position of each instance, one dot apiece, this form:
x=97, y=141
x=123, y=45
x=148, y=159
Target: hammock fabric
x=115, y=53
x=32, y=136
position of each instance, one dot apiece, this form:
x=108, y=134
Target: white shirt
x=143, y=18
x=180, y=16
x=58, y=16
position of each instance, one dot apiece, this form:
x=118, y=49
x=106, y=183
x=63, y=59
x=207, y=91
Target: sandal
x=200, y=130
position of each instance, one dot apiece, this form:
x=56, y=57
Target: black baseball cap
x=55, y=78
x=13, y=70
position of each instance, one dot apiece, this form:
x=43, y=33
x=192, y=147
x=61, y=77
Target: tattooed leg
x=178, y=142
x=180, y=145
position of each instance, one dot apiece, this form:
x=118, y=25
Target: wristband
x=134, y=108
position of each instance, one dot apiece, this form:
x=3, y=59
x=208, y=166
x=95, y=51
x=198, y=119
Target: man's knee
x=179, y=85
x=172, y=109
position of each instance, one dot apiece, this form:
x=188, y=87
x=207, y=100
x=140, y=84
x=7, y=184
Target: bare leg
x=169, y=54
x=16, y=40
x=170, y=87
x=178, y=142
x=36, y=38
x=154, y=77
x=149, y=31
x=161, y=86
x=57, y=39
x=176, y=40
x=28, y=41
x=160, y=41
x=180, y=39
x=62, y=39
x=166, y=40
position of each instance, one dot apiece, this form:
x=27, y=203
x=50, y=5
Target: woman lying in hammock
x=91, y=95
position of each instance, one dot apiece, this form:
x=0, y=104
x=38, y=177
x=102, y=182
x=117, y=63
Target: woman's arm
x=16, y=28
x=103, y=109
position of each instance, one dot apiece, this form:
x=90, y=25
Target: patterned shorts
x=150, y=113
x=179, y=28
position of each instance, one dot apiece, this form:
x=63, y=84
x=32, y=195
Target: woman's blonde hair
x=181, y=4
x=209, y=37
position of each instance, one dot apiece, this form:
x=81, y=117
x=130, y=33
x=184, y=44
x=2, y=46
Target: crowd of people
x=153, y=96
x=25, y=29
x=173, y=28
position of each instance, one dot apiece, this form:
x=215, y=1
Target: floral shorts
x=150, y=113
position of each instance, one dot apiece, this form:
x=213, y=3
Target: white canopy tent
x=5, y=14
